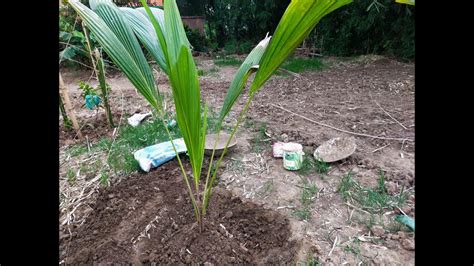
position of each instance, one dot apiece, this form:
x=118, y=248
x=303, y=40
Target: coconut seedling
x=119, y=31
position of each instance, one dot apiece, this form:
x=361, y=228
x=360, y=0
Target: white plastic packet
x=136, y=119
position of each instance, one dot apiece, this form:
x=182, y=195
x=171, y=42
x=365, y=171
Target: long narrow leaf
x=299, y=19
x=185, y=87
x=160, y=18
x=144, y=30
x=157, y=13
x=118, y=53
x=117, y=22
x=159, y=30
x=249, y=66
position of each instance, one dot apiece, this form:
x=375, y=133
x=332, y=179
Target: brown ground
x=148, y=218
x=349, y=95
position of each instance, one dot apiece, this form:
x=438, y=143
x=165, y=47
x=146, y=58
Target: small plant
x=307, y=166
x=374, y=200
x=322, y=167
x=258, y=141
x=104, y=179
x=308, y=194
x=91, y=94
x=311, y=260
x=352, y=249
x=71, y=176
x=162, y=34
x=91, y=98
x=311, y=165
x=77, y=149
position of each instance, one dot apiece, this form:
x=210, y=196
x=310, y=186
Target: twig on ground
x=333, y=246
x=380, y=148
x=338, y=129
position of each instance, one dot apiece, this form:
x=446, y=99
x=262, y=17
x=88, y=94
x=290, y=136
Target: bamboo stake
x=67, y=103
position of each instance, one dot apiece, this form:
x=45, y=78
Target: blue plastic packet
x=92, y=101
x=156, y=155
x=406, y=220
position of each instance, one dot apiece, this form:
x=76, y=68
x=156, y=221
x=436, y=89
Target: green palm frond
x=118, y=41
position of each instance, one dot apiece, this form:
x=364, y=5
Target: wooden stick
x=91, y=57
x=342, y=130
x=289, y=72
x=333, y=246
x=381, y=147
x=393, y=118
x=67, y=103
x=356, y=208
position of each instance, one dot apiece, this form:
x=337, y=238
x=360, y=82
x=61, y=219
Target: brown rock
x=228, y=214
x=408, y=244
x=391, y=187
x=187, y=259
x=378, y=230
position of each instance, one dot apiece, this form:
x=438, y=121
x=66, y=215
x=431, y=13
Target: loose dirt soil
x=148, y=218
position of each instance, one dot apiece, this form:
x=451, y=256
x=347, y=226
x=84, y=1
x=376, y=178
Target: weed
x=373, y=200
x=304, y=213
x=308, y=193
x=307, y=166
x=322, y=167
x=311, y=165
x=249, y=123
x=352, y=249
x=213, y=70
x=71, y=176
x=311, y=260
x=77, y=150
x=148, y=133
x=236, y=165
x=259, y=139
x=104, y=179
x=346, y=185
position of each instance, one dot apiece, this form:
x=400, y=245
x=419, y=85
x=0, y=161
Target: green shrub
x=368, y=27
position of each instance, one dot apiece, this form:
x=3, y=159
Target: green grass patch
x=258, y=142
x=210, y=71
x=298, y=65
x=228, y=61
x=311, y=166
x=311, y=260
x=71, y=176
x=308, y=194
x=374, y=200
